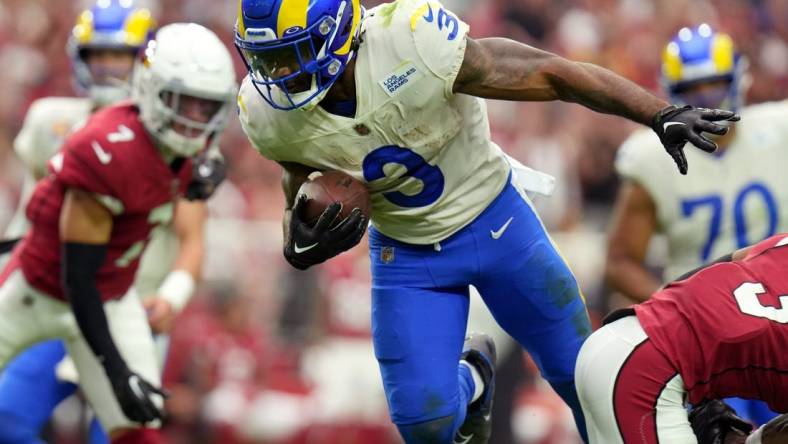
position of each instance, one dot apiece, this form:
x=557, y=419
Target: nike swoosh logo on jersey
x=497, y=234
x=669, y=124
x=465, y=439
x=124, y=134
x=103, y=156
x=300, y=250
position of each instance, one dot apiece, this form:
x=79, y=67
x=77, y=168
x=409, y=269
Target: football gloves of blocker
x=309, y=245
x=676, y=126
x=713, y=420
x=135, y=396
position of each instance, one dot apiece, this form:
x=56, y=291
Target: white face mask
x=189, y=122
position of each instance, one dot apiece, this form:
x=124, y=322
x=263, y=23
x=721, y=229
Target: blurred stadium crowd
x=266, y=354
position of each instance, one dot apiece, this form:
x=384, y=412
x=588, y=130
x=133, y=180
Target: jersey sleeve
x=85, y=164
x=439, y=37
x=256, y=130
x=641, y=159
x=29, y=143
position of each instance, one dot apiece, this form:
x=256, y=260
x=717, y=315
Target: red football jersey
x=726, y=328
x=113, y=158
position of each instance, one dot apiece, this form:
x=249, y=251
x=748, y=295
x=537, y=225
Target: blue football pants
x=420, y=310
x=30, y=391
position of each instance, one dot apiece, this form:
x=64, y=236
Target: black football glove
x=134, y=395
x=712, y=420
x=676, y=126
x=207, y=173
x=307, y=246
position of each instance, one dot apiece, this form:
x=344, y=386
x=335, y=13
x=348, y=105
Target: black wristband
x=81, y=263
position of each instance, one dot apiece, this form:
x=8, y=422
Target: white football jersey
x=727, y=200
x=47, y=124
x=424, y=152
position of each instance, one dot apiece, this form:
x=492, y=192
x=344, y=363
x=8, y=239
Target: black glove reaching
x=207, y=173
x=307, y=246
x=676, y=126
x=712, y=420
x=134, y=395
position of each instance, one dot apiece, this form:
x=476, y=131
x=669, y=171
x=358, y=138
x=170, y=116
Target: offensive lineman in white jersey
x=387, y=96
x=104, y=44
x=735, y=197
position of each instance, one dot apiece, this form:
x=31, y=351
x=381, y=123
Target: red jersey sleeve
x=87, y=163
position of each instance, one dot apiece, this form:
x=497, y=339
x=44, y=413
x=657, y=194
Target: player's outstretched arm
x=634, y=223
x=85, y=229
x=499, y=68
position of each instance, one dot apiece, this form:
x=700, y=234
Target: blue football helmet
x=114, y=25
x=701, y=67
x=296, y=49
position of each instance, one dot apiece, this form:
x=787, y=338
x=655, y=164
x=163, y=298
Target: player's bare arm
x=189, y=225
x=633, y=224
x=85, y=228
x=177, y=288
x=499, y=68
x=293, y=176
x=775, y=431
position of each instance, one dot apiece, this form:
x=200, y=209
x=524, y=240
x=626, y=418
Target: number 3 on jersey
x=416, y=167
x=715, y=203
x=746, y=296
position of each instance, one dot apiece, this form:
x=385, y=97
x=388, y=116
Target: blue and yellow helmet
x=109, y=24
x=701, y=56
x=296, y=49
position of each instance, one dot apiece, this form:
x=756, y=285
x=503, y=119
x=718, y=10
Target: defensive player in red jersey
x=114, y=180
x=717, y=332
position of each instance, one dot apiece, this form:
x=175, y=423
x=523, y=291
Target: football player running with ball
x=393, y=96
x=116, y=178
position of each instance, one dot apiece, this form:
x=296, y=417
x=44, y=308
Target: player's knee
x=14, y=430
x=439, y=430
x=420, y=403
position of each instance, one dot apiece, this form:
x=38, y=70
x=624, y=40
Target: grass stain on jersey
x=386, y=12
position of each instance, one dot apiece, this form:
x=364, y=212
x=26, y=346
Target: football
x=328, y=187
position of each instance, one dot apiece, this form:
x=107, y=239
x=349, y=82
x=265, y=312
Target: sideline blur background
x=266, y=354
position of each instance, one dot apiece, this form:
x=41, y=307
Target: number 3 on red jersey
x=746, y=296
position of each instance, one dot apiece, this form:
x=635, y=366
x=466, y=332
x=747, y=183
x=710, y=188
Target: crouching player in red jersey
x=114, y=180
x=719, y=331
